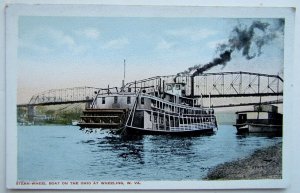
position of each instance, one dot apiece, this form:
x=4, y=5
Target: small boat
x=149, y=110
x=262, y=119
x=75, y=122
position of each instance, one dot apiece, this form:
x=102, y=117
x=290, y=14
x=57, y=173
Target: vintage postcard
x=147, y=97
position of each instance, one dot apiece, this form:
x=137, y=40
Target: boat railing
x=122, y=90
x=173, y=103
x=164, y=121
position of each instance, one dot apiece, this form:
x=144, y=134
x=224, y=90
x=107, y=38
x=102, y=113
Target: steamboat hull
x=259, y=128
x=99, y=125
x=139, y=131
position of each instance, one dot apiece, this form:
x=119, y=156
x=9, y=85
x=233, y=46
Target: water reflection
x=174, y=145
x=127, y=148
x=137, y=155
x=259, y=135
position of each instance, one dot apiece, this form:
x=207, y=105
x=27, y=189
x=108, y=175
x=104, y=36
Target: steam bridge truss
x=207, y=85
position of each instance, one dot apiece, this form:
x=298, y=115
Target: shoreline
x=265, y=163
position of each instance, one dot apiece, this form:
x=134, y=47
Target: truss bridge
x=225, y=85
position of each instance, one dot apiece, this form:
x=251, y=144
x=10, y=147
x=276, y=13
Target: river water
x=67, y=153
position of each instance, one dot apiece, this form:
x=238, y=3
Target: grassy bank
x=262, y=164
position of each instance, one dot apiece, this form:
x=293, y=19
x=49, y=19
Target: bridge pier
x=31, y=112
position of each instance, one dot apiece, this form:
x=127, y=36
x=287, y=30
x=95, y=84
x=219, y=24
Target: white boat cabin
x=177, y=89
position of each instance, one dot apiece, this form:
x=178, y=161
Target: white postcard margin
x=13, y=11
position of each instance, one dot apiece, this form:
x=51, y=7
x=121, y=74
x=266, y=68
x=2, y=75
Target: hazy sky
x=62, y=52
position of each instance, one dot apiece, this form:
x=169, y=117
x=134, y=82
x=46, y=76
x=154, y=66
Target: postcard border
x=12, y=14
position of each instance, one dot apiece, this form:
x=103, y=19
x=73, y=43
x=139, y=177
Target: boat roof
x=253, y=111
x=173, y=83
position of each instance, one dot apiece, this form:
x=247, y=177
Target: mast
x=124, y=70
x=123, y=81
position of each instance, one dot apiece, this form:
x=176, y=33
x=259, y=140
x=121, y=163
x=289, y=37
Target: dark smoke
x=249, y=40
x=253, y=38
x=222, y=60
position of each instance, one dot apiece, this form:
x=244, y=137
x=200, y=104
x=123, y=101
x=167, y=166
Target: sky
x=63, y=52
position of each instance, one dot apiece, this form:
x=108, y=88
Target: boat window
x=177, y=86
x=176, y=122
x=103, y=100
x=169, y=87
x=155, y=119
x=153, y=102
x=142, y=100
x=128, y=100
x=185, y=120
x=161, y=120
x=167, y=121
x=115, y=99
x=242, y=117
x=171, y=121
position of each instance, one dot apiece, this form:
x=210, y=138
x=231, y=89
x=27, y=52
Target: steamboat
x=150, y=110
x=262, y=119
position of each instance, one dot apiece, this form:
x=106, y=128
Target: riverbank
x=262, y=164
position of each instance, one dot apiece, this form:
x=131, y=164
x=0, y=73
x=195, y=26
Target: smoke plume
x=249, y=40
x=223, y=59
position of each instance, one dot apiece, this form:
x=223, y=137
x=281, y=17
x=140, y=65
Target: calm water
x=66, y=153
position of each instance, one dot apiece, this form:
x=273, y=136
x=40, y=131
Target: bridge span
x=207, y=85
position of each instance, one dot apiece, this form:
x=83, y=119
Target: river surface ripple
x=67, y=153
